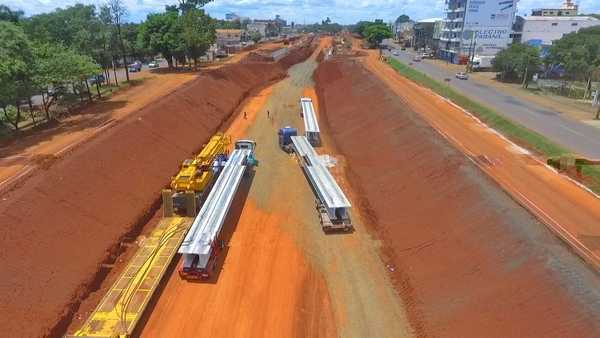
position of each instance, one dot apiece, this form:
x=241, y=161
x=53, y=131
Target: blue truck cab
x=285, y=138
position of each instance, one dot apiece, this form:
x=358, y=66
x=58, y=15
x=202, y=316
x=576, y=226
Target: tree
x=16, y=60
x=360, y=27
x=130, y=32
x=186, y=5
x=225, y=24
x=376, y=32
x=6, y=14
x=198, y=32
x=579, y=53
x=74, y=27
x=57, y=67
x=518, y=61
x=161, y=33
x=255, y=36
x=118, y=12
x=402, y=19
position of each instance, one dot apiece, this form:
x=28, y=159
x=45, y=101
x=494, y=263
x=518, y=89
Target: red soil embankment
x=467, y=260
x=61, y=224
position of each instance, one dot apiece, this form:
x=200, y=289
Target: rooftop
x=560, y=18
x=430, y=20
x=230, y=31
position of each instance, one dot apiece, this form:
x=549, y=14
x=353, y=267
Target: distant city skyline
x=299, y=11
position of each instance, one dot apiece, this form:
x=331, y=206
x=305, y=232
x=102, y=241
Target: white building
x=480, y=27
x=260, y=27
x=542, y=30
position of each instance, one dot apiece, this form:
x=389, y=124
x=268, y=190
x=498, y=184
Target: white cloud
x=297, y=10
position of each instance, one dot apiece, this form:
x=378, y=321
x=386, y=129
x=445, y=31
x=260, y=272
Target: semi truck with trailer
x=203, y=242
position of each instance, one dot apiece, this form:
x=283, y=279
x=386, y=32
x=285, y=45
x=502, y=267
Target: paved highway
x=574, y=135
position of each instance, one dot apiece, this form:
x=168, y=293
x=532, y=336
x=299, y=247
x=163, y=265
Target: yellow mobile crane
x=194, y=177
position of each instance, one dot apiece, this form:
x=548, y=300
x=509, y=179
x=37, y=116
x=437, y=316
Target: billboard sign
x=491, y=20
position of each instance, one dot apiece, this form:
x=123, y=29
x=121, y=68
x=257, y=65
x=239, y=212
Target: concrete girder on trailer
x=327, y=189
x=209, y=221
x=311, y=125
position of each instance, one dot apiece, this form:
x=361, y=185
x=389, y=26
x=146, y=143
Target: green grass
x=512, y=130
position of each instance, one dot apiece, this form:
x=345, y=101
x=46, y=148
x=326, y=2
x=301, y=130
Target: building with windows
x=279, y=21
x=476, y=27
x=568, y=9
x=229, y=40
x=404, y=31
x=540, y=31
x=424, y=33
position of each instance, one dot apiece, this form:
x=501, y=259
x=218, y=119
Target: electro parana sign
x=491, y=20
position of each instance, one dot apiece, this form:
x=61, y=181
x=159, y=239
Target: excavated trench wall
x=61, y=224
x=467, y=261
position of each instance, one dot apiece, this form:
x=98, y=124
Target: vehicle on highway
x=153, y=64
x=462, y=76
x=402, y=48
x=396, y=52
x=417, y=58
x=135, y=67
x=481, y=63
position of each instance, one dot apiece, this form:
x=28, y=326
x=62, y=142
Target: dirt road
x=466, y=259
x=20, y=157
x=281, y=275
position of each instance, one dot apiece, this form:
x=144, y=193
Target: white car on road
x=462, y=76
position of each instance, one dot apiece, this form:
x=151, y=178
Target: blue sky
x=300, y=11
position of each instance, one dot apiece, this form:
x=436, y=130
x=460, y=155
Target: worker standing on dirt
x=245, y=116
x=268, y=115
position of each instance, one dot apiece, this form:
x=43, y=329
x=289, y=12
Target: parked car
x=417, y=58
x=396, y=52
x=100, y=79
x=135, y=67
x=462, y=76
x=153, y=64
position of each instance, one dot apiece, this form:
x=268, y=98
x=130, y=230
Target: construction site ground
x=444, y=244
x=466, y=259
x=66, y=222
x=281, y=276
x=19, y=156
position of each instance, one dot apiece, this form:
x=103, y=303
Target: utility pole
x=472, y=51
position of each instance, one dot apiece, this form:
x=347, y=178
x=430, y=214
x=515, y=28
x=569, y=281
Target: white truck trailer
x=202, y=243
x=311, y=125
x=332, y=205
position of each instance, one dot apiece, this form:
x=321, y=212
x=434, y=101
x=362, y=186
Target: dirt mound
x=295, y=54
x=62, y=223
x=260, y=56
x=466, y=259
